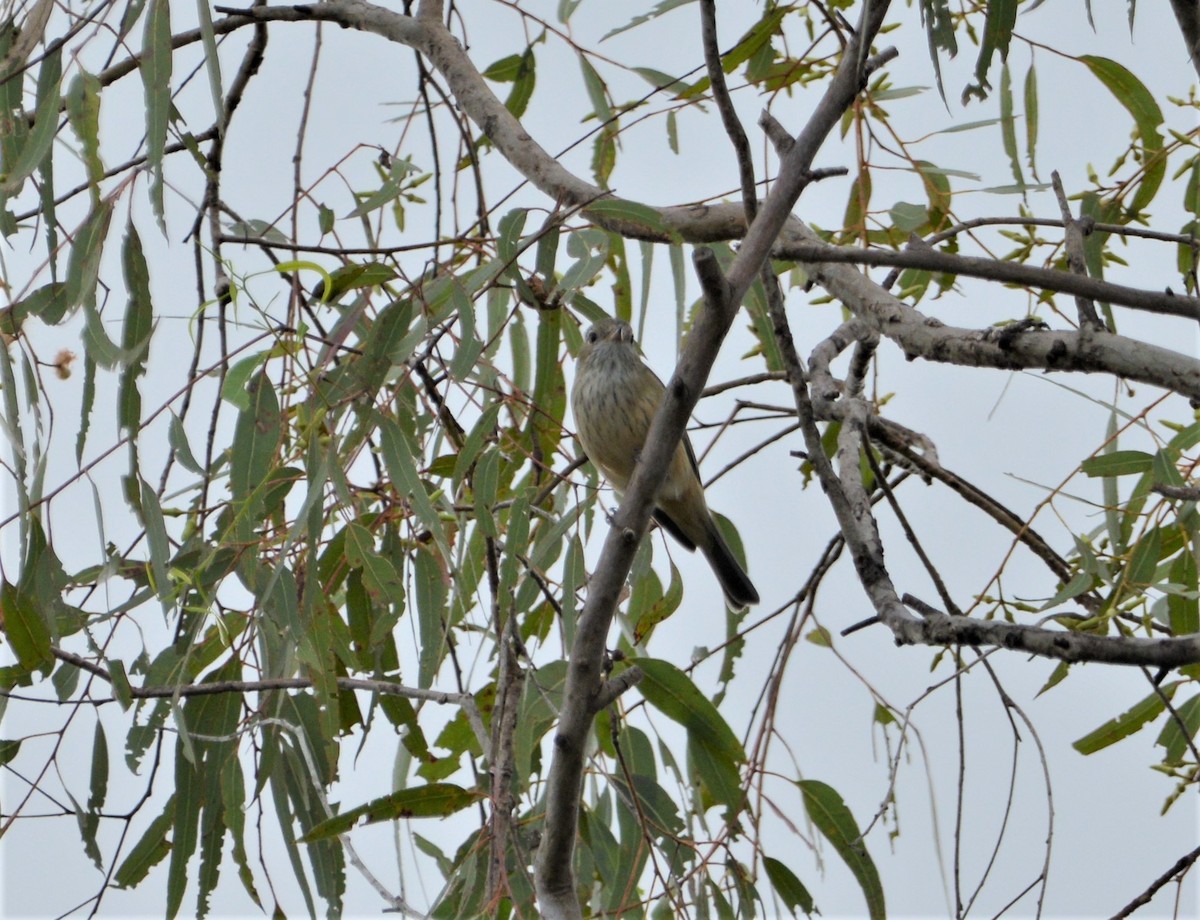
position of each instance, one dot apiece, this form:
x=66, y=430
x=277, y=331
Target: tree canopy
x=310, y=599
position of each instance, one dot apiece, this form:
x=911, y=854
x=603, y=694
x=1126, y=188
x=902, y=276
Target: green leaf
x=189, y=798
x=1131, y=93
x=523, y=86
x=233, y=801
x=604, y=154
x=351, y=277
x=1127, y=723
x=325, y=219
x=720, y=781
x=673, y=693
x=234, y=389
x=907, y=217
x=25, y=629
x=256, y=437
x=180, y=448
x=431, y=596
x=1117, y=463
x=1182, y=604
x=1056, y=677
x=1141, y=104
x=939, y=33
x=139, y=324
x=1143, y=563
x=997, y=33
x=508, y=236
x=1031, y=118
x=646, y=220
x=45, y=123
x=1008, y=129
x=380, y=577
x=789, y=888
x=212, y=61
x=833, y=819
x=9, y=751
x=663, y=6
x=155, y=67
x=1174, y=738
x=504, y=70
x=156, y=537
x=469, y=347
x=399, y=456
x=596, y=90
x=121, y=689
x=149, y=851
x=83, y=265
x=434, y=800
x=99, y=783
x=661, y=608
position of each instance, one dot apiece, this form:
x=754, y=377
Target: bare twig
x=1182, y=865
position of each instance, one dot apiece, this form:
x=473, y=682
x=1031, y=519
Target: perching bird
x=614, y=399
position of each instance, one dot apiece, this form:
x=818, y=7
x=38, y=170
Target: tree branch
x=1182, y=865
x=385, y=687
x=813, y=250
x=1187, y=14
x=937, y=628
x=1088, y=318
x=555, y=873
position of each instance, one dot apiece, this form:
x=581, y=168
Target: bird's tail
x=739, y=590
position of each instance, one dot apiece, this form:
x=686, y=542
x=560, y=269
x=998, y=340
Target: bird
x=614, y=399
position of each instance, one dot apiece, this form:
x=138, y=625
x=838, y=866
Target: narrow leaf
x=789, y=888
x=1128, y=722
x=45, y=125
x=1118, y=463
x=435, y=800
x=674, y=694
x=155, y=69
x=833, y=819
x=25, y=629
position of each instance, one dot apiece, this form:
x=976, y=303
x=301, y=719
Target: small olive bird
x=614, y=399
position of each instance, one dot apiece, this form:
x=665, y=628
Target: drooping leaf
x=1128, y=722
x=212, y=61
x=1175, y=737
x=399, y=456
x=156, y=537
x=83, y=265
x=674, y=694
x=155, y=67
x=997, y=33
x=151, y=849
x=1008, y=129
x=1182, y=604
x=789, y=888
x=435, y=800
x=255, y=439
x=1118, y=463
x=833, y=819
x=25, y=628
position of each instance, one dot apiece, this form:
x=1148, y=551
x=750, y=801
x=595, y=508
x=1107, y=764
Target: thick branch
x=694, y=223
x=1187, y=14
x=555, y=875
x=937, y=628
x=814, y=250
